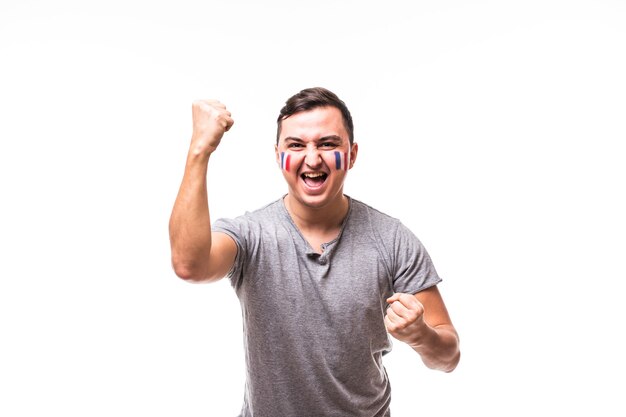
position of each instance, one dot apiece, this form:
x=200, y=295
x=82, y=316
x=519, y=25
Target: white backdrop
x=492, y=129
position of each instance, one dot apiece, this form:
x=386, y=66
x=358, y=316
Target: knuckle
x=197, y=104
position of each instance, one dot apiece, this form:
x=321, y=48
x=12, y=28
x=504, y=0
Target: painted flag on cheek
x=284, y=161
x=341, y=161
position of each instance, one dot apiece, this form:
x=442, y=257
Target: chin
x=317, y=201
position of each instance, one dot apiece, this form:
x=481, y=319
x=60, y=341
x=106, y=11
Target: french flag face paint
x=285, y=160
x=341, y=161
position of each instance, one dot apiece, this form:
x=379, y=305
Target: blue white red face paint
x=341, y=161
x=285, y=159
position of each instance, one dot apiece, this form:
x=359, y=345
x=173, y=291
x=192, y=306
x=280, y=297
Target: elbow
x=447, y=364
x=446, y=356
x=455, y=356
x=451, y=350
x=453, y=363
x=188, y=272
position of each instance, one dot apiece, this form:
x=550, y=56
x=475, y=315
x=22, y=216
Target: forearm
x=190, y=222
x=438, y=347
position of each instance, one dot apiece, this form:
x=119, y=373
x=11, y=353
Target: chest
x=345, y=278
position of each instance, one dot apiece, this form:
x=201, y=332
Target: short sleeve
x=236, y=229
x=413, y=270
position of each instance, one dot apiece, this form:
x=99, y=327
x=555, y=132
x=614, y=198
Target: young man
x=322, y=278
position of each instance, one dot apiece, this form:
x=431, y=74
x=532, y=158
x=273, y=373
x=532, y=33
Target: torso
x=313, y=322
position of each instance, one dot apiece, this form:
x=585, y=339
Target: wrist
x=422, y=336
x=201, y=151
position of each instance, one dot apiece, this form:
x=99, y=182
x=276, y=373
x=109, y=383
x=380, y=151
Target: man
x=322, y=278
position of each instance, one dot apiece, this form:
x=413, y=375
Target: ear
x=277, y=155
x=354, y=150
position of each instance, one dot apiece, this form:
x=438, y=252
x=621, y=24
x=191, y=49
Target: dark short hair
x=311, y=98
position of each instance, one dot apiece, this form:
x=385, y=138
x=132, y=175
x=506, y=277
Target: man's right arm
x=198, y=254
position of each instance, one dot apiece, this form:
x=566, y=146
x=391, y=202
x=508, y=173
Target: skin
x=311, y=138
x=422, y=322
x=318, y=210
x=198, y=255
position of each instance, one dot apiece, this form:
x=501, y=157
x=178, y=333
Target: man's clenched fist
x=210, y=120
x=405, y=318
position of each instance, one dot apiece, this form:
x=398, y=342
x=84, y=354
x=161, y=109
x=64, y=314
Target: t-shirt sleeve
x=413, y=270
x=238, y=230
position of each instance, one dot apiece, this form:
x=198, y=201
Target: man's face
x=314, y=153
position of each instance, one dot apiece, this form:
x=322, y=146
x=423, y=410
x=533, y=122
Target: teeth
x=313, y=174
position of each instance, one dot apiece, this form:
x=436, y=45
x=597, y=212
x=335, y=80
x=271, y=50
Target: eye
x=328, y=145
x=294, y=145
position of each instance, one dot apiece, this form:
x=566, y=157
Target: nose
x=313, y=158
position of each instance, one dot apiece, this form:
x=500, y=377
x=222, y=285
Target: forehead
x=314, y=124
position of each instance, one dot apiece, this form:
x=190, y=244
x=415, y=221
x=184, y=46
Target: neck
x=322, y=219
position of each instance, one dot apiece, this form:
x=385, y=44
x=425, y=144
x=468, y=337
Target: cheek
x=338, y=161
x=288, y=160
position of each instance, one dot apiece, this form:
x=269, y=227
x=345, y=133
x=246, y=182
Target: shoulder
x=251, y=221
x=268, y=211
x=368, y=216
x=384, y=228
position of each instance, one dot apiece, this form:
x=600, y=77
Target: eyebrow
x=332, y=138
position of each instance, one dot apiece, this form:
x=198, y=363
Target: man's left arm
x=422, y=321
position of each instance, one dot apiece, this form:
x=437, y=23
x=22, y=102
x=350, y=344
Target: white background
x=492, y=129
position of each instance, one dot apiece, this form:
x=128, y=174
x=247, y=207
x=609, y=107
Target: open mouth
x=314, y=179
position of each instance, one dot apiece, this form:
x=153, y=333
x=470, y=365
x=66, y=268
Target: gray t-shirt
x=314, y=333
